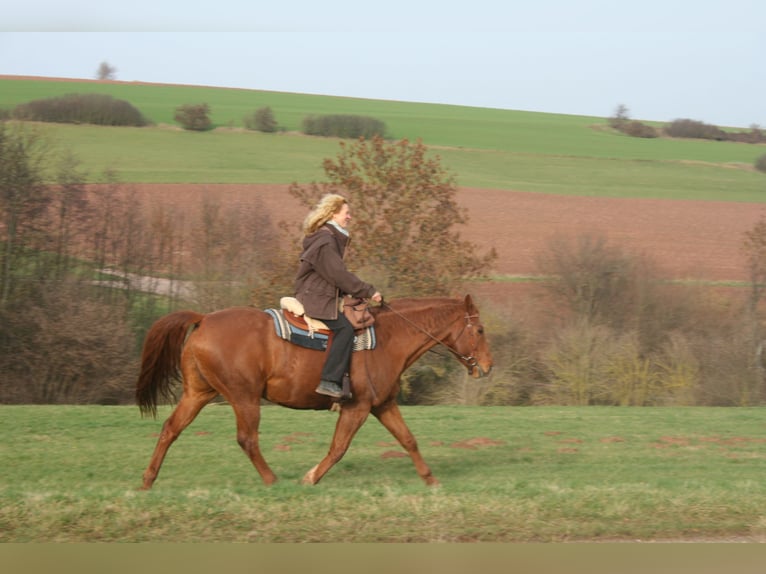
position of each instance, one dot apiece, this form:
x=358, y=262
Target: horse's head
x=469, y=342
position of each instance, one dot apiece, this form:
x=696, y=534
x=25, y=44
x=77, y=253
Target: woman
x=322, y=280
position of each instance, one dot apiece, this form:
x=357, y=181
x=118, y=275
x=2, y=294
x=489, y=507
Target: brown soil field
x=685, y=239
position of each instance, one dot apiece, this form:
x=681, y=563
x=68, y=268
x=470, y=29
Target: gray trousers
x=338, y=359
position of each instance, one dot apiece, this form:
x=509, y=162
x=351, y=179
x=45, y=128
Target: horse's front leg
x=349, y=422
x=391, y=417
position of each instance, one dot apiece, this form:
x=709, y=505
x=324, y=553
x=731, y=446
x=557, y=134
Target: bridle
x=469, y=361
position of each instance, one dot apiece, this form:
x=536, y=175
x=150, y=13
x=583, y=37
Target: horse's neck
x=427, y=324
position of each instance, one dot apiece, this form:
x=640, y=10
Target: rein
x=470, y=361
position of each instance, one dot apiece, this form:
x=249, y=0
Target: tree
x=23, y=195
x=594, y=279
x=405, y=217
x=621, y=116
x=70, y=215
x=754, y=248
x=106, y=72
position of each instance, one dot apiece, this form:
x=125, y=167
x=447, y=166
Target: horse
x=236, y=353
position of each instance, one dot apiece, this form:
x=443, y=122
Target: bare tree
x=69, y=215
x=590, y=276
x=23, y=195
x=106, y=72
x=754, y=247
x=620, y=117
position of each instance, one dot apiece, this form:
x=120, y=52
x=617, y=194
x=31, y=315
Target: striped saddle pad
x=292, y=328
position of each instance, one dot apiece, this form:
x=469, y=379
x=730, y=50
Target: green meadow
x=543, y=474
x=482, y=148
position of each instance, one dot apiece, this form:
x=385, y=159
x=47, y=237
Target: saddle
x=292, y=324
x=297, y=316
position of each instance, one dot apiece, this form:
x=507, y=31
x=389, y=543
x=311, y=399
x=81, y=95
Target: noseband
x=470, y=361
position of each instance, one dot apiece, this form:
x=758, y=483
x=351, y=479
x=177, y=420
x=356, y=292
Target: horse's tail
x=161, y=359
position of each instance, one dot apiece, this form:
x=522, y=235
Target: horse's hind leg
x=188, y=408
x=248, y=415
x=391, y=417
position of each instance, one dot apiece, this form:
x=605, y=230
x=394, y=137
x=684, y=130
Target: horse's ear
x=468, y=302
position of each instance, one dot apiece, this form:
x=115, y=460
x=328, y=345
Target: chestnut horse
x=236, y=353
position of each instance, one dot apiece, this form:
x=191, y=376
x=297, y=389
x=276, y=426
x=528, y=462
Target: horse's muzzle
x=477, y=372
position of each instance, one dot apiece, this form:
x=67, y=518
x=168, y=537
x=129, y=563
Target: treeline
x=85, y=270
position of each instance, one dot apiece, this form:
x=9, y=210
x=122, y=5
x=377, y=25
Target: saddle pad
x=364, y=340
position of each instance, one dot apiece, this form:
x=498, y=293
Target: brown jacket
x=322, y=276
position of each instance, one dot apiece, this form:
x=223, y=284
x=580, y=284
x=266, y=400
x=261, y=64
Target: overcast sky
x=699, y=59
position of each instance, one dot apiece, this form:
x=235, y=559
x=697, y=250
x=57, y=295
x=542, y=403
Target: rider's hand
x=377, y=297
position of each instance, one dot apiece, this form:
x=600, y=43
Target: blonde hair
x=328, y=206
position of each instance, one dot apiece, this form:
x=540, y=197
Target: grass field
x=483, y=148
x=68, y=474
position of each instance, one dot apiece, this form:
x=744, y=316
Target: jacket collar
x=338, y=227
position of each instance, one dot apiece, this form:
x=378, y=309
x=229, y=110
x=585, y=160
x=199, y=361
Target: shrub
x=99, y=109
x=754, y=136
x=344, y=126
x=638, y=129
x=194, y=117
x=575, y=361
x=760, y=163
x=262, y=120
x=685, y=128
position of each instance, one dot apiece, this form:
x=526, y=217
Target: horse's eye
x=480, y=330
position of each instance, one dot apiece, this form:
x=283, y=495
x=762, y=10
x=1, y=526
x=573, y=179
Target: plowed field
x=686, y=239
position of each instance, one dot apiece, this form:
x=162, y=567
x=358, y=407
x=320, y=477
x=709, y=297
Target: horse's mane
x=417, y=309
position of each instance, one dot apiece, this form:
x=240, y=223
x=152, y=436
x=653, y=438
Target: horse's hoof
x=310, y=477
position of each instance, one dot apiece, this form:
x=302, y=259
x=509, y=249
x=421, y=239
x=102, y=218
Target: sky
x=663, y=60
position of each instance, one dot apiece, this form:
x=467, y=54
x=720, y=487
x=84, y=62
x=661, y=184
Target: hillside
x=524, y=177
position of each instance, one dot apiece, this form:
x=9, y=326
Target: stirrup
x=346, y=388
